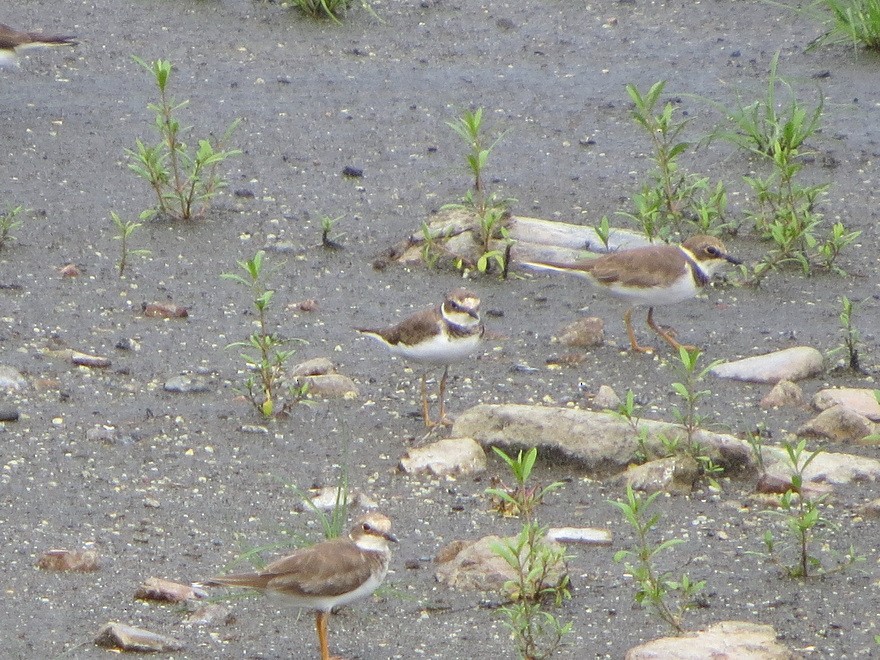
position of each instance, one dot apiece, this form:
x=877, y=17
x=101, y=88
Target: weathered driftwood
x=454, y=233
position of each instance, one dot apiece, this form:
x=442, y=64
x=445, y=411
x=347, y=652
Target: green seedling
x=669, y=599
x=9, y=222
x=522, y=499
x=855, y=22
x=124, y=231
x=266, y=352
x=768, y=126
x=327, y=224
x=332, y=9
x=803, y=520
x=674, y=197
x=540, y=580
x=184, y=179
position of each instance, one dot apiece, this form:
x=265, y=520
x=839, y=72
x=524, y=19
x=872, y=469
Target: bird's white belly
x=440, y=349
x=683, y=289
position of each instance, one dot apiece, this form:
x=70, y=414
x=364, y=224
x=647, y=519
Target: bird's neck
x=701, y=273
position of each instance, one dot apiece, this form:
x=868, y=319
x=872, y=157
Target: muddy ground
x=179, y=490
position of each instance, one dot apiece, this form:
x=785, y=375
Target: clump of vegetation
x=491, y=211
x=523, y=498
x=266, y=352
x=803, y=521
x=539, y=566
x=667, y=597
x=852, y=338
x=675, y=198
x=785, y=210
x=9, y=222
x=184, y=179
x=124, y=231
x=327, y=225
x=855, y=22
x=332, y=9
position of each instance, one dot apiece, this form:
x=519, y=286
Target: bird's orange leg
x=321, y=626
x=443, y=419
x=667, y=335
x=426, y=409
x=633, y=343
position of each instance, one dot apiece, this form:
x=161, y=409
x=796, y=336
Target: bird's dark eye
x=713, y=251
x=366, y=527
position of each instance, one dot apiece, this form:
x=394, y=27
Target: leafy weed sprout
x=9, y=222
x=332, y=9
x=855, y=22
x=265, y=354
x=538, y=566
x=183, y=179
x=669, y=599
x=675, y=197
x=491, y=211
x=803, y=520
x=124, y=231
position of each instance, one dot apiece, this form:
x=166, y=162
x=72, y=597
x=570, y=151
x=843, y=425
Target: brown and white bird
x=328, y=574
x=444, y=335
x=651, y=275
x=13, y=41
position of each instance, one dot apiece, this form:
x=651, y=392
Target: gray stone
x=742, y=640
x=579, y=535
x=673, y=474
x=154, y=588
x=187, y=385
x=586, y=332
x=606, y=399
x=791, y=364
x=475, y=566
x=129, y=638
x=860, y=400
x=76, y=561
x=831, y=469
x=11, y=378
x=784, y=393
x=598, y=441
x=840, y=424
x=319, y=366
x=331, y=386
x=444, y=457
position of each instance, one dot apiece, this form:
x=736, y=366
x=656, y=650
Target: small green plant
x=470, y=127
x=666, y=597
x=538, y=566
x=803, y=521
x=332, y=9
x=266, y=353
x=674, y=196
x=852, y=338
x=327, y=224
x=855, y=22
x=540, y=577
x=688, y=414
x=688, y=390
x=768, y=126
x=9, y=223
x=522, y=499
x=124, y=231
x=184, y=179
x=603, y=231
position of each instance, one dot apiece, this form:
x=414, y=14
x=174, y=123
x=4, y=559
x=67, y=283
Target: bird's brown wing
x=10, y=38
x=640, y=267
x=410, y=329
x=329, y=569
